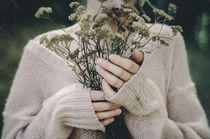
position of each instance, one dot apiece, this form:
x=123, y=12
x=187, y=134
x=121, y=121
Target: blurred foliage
x=18, y=25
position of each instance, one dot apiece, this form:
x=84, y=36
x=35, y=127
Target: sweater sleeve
x=149, y=117
x=45, y=100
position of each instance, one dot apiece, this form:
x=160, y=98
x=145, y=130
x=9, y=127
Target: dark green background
x=18, y=25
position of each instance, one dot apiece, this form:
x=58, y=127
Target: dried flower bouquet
x=109, y=31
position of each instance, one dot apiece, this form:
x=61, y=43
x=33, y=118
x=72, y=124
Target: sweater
x=46, y=101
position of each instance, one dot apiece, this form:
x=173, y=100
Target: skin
x=122, y=70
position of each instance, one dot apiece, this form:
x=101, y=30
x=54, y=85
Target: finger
x=108, y=91
x=125, y=63
x=116, y=70
x=138, y=56
x=108, y=114
x=108, y=121
x=104, y=106
x=97, y=95
x=111, y=79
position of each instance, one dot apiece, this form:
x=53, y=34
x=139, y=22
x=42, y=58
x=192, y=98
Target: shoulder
x=166, y=33
x=164, y=54
x=176, y=41
x=70, y=30
x=51, y=35
x=45, y=55
x=160, y=29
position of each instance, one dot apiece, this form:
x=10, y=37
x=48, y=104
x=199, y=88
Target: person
x=46, y=100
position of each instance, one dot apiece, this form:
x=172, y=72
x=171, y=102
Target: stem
x=155, y=36
x=150, y=4
x=61, y=29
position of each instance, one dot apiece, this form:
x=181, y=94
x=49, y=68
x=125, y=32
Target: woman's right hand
x=105, y=111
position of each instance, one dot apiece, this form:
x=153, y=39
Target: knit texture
x=47, y=102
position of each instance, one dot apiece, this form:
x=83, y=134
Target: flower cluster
x=172, y=8
x=43, y=12
x=74, y=4
x=176, y=29
x=80, y=10
x=162, y=14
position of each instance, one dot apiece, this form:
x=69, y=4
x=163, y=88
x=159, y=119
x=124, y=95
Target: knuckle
x=120, y=72
x=109, y=105
x=114, y=106
x=130, y=65
x=108, y=114
x=119, y=59
x=117, y=105
x=106, y=64
x=117, y=111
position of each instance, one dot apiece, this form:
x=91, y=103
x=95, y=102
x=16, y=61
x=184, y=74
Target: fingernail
x=112, y=120
x=112, y=56
x=119, y=111
x=99, y=60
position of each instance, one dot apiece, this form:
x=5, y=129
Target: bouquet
x=109, y=31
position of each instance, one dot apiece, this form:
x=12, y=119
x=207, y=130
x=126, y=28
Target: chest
x=157, y=67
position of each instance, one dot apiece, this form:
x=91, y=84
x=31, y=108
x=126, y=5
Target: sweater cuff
x=133, y=95
x=73, y=109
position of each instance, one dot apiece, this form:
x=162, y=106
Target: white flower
x=104, y=31
x=119, y=36
x=86, y=21
x=161, y=13
x=139, y=26
x=72, y=17
x=43, y=12
x=100, y=18
x=74, y=4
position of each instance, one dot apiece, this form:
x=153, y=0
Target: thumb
x=138, y=56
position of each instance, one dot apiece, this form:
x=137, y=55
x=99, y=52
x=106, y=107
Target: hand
x=105, y=111
x=118, y=71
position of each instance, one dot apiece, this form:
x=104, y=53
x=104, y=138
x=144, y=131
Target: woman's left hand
x=118, y=71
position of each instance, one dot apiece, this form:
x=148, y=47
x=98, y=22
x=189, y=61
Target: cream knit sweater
x=47, y=102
